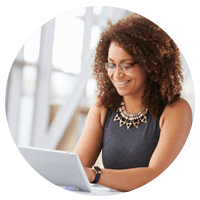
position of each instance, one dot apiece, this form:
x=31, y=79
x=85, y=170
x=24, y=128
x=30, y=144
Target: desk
x=98, y=190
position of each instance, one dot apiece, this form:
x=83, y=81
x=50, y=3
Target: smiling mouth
x=122, y=83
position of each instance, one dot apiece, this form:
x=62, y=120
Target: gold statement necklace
x=130, y=119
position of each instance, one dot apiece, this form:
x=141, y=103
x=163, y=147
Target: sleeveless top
x=129, y=148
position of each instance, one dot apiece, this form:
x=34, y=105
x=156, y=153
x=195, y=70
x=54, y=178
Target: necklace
x=126, y=118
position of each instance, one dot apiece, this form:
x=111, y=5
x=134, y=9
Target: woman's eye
x=111, y=65
x=127, y=65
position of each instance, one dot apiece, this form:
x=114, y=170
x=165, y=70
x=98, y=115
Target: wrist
x=93, y=175
x=98, y=172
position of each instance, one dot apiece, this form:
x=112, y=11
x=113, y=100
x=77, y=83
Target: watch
x=98, y=174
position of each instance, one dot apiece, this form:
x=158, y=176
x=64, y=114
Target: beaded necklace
x=130, y=119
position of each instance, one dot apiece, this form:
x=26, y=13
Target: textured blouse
x=129, y=148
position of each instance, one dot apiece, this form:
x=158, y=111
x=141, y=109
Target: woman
x=139, y=120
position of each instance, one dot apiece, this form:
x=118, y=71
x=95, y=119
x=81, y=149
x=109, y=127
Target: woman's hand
x=90, y=173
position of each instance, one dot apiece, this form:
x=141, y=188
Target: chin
x=122, y=93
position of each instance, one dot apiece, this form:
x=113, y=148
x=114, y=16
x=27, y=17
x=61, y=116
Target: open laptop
x=61, y=168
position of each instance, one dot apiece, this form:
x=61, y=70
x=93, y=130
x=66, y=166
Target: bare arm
x=90, y=143
x=175, y=126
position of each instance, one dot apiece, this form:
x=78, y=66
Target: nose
x=118, y=72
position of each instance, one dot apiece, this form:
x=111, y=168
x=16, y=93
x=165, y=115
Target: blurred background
x=50, y=87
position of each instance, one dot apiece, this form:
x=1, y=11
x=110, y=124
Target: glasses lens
x=126, y=67
x=110, y=67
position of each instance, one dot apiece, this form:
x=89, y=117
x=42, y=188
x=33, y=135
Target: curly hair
x=155, y=51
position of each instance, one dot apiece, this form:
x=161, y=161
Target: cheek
x=135, y=77
x=140, y=75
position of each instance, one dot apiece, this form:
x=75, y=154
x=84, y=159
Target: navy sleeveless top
x=129, y=148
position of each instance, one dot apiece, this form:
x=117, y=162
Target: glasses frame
x=121, y=66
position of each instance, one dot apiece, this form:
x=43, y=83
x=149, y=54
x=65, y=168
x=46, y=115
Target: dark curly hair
x=155, y=51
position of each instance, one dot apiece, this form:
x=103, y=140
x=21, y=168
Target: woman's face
x=130, y=84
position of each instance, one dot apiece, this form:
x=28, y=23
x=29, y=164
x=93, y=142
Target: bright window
x=68, y=42
x=32, y=47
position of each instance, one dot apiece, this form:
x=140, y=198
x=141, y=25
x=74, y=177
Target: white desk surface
x=98, y=190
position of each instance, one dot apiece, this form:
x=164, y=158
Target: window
x=29, y=76
x=68, y=42
x=32, y=47
x=97, y=10
x=95, y=32
x=62, y=86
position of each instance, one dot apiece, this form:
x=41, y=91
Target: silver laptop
x=61, y=168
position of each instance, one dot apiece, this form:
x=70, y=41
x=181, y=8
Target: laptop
x=64, y=169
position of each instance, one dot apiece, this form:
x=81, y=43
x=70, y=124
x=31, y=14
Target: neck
x=132, y=105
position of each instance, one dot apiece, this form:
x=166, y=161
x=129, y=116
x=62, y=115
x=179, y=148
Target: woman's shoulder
x=100, y=109
x=176, y=110
x=179, y=105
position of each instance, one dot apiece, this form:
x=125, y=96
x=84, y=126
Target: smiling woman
x=129, y=83
x=155, y=52
x=138, y=120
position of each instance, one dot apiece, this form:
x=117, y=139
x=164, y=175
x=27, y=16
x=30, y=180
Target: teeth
x=121, y=83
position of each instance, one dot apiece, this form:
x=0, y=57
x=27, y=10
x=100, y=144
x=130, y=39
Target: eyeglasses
x=125, y=67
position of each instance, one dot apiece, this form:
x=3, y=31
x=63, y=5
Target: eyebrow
x=123, y=60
